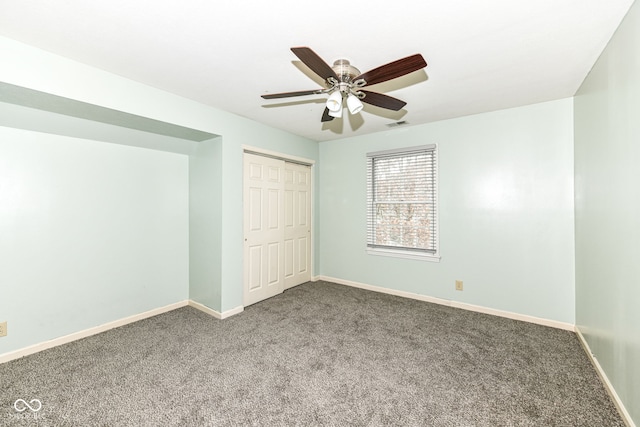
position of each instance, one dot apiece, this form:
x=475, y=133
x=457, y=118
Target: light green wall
x=19, y=117
x=205, y=224
x=607, y=175
x=91, y=232
x=31, y=68
x=506, y=211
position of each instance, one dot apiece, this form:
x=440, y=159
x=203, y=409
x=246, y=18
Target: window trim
x=407, y=253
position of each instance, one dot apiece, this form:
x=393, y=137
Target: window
x=402, y=203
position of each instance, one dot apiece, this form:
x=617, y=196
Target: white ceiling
x=481, y=55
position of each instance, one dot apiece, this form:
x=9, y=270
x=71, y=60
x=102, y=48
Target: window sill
x=398, y=253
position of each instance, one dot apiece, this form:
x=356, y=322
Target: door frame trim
x=277, y=155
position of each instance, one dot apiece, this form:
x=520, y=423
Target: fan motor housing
x=345, y=71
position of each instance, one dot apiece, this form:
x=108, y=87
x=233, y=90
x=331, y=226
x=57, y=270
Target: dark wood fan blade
x=383, y=101
x=325, y=116
x=314, y=62
x=288, y=94
x=393, y=69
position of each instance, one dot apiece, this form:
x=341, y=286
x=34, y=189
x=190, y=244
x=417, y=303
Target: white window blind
x=402, y=200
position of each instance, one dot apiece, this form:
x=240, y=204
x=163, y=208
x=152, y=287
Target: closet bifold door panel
x=277, y=226
x=263, y=228
x=297, y=224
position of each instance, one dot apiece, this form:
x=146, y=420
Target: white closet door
x=297, y=224
x=263, y=228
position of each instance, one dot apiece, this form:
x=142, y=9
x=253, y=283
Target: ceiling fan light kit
x=354, y=104
x=336, y=114
x=344, y=81
x=334, y=103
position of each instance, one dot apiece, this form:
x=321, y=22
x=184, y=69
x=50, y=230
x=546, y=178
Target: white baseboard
x=515, y=316
x=455, y=304
x=12, y=355
x=16, y=354
x=605, y=380
x=215, y=313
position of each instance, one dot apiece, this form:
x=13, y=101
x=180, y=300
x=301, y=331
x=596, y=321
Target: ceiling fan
x=344, y=81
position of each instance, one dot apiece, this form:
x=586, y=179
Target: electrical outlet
x=3, y=329
x=458, y=285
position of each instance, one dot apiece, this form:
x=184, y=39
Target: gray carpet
x=319, y=354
